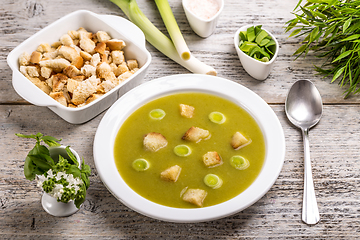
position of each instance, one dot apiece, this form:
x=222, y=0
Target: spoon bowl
x=303, y=107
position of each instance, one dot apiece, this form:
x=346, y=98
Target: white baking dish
x=117, y=27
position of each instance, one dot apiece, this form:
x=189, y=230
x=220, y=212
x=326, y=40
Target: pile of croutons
x=79, y=68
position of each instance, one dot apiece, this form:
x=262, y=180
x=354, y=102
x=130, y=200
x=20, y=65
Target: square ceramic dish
x=236, y=93
x=117, y=27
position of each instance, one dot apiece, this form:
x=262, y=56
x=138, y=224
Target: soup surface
x=148, y=184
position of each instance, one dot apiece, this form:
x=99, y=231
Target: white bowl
x=128, y=103
x=202, y=27
x=117, y=27
x=257, y=69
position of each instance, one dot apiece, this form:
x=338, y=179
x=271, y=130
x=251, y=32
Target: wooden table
x=334, y=141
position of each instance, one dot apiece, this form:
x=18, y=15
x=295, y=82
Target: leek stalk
x=173, y=28
x=161, y=42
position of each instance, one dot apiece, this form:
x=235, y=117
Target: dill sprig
x=330, y=28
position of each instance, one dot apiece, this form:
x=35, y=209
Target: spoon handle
x=310, y=211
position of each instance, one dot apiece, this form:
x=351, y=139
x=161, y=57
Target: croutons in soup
x=190, y=157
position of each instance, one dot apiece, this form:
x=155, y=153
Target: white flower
x=50, y=174
x=59, y=175
x=57, y=191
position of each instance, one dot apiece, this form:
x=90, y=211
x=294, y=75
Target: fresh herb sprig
x=62, y=178
x=331, y=28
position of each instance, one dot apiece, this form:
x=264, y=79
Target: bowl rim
x=135, y=98
x=12, y=58
x=237, y=40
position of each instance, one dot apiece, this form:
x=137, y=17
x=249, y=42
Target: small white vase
x=57, y=209
x=49, y=203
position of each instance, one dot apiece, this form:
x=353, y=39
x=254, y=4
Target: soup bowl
x=236, y=93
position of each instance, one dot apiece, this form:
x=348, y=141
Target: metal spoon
x=303, y=107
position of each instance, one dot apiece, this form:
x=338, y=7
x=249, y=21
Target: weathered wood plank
x=335, y=157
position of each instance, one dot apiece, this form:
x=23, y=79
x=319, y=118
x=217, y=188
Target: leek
x=173, y=28
x=159, y=40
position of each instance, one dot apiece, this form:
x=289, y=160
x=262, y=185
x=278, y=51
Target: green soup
x=148, y=184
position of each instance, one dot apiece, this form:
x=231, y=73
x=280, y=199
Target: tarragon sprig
x=331, y=28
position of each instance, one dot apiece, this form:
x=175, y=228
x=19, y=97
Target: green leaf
x=347, y=24
x=25, y=136
x=344, y=54
x=71, y=156
x=295, y=32
x=29, y=169
x=301, y=49
x=314, y=34
x=250, y=32
x=40, y=161
x=338, y=73
x=350, y=38
x=243, y=36
x=74, y=170
x=260, y=36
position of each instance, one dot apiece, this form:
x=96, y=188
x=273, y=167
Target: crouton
x=154, y=141
x=106, y=86
x=132, y=64
x=88, y=70
x=212, y=159
x=71, y=71
x=30, y=71
x=86, y=56
x=44, y=47
x=74, y=34
x=100, y=47
x=95, y=60
x=50, y=55
x=121, y=69
x=35, y=57
x=24, y=59
x=195, y=196
x=171, y=174
x=58, y=82
x=59, y=96
x=195, y=134
x=102, y=69
x=68, y=52
x=82, y=92
x=102, y=36
x=115, y=44
x=40, y=84
x=56, y=44
x=87, y=45
x=78, y=62
x=79, y=78
x=93, y=97
x=72, y=85
x=124, y=76
x=117, y=57
x=238, y=141
x=55, y=63
x=134, y=70
x=66, y=40
x=186, y=111
x=45, y=72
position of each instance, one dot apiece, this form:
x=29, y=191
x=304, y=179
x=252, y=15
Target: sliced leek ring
x=182, y=150
x=217, y=117
x=157, y=114
x=239, y=162
x=140, y=164
x=213, y=181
